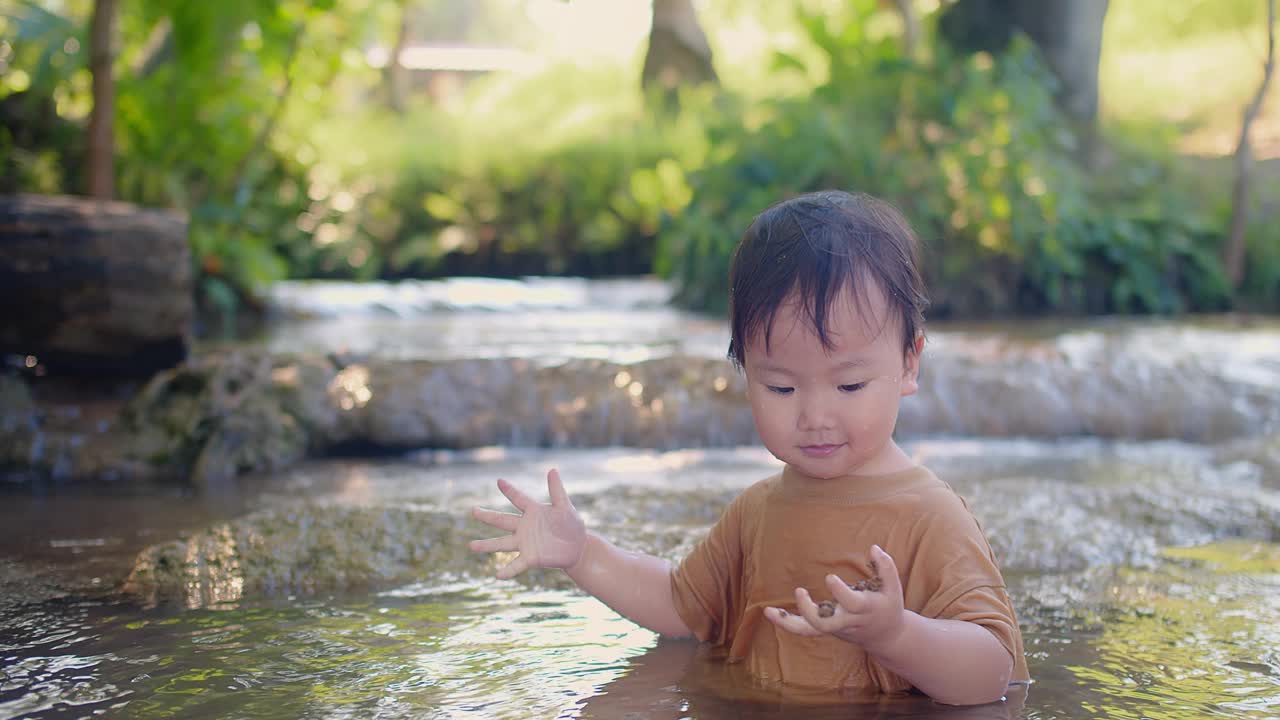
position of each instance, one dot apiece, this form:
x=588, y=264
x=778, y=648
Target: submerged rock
x=211, y=419
x=304, y=550
x=1046, y=509
x=1262, y=453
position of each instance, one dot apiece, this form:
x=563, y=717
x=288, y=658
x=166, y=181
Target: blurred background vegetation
x=515, y=137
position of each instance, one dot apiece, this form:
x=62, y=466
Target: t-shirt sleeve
x=954, y=576
x=990, y=607
x=707, y=585
x=958, y=578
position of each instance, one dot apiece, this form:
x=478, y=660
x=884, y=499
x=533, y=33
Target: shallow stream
x=1145, y=567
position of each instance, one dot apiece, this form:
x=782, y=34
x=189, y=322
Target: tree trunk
x=1068, y=33
x=678, y=51
x=94, y=287
x=395, y=75
x=1234, y=252
x=101, y=126
x=910, y=27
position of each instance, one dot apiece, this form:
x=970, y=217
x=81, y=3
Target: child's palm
x=544, y=535
x=867, y=618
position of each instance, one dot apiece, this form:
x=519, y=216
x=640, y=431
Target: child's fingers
x=515, y=495
x=559, y=498
x=513, y=568
x=790, y=622
x=888, y=571
x=853, y=601
x=506, y=543
x=500, y=520
x=808, y=609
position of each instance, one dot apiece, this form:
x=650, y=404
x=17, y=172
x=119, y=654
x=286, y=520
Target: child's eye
x=852, y=388
x=780, y=390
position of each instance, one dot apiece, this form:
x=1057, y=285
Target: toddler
x=854, y=567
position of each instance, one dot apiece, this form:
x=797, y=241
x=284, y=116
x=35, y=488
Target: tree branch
x=264, y=134
x=102, y=116
x=1233, y=260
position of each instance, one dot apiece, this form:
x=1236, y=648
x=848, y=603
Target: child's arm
x=951, y=661
x=636, y=585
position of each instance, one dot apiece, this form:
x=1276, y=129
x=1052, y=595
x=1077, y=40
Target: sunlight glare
x=650, y=463
x=351, y=387
x=585, y=32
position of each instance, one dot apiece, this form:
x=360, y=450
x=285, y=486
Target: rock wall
x=94, y=287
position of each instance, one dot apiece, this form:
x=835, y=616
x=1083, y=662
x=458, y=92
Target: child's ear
x=911, y=366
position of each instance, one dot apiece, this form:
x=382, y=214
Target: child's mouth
x=820, y=450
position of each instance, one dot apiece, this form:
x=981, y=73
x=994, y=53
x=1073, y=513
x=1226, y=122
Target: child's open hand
x=544, y=535
x=871, y=619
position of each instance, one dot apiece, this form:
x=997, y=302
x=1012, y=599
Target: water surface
x=1138, y=540
x=1175, y=632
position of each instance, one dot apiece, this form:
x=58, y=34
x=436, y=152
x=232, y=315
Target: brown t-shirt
x=791, y=531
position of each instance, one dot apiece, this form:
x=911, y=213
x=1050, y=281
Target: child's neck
x=892, y=459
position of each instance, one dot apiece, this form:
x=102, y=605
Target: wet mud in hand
x=827, y=608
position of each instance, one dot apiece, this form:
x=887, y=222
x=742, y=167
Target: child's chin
x=817, y=469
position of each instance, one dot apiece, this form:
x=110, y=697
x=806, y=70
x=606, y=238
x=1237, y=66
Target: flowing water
x=1145, y=567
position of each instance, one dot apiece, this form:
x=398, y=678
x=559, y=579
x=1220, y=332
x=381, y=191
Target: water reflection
x=1128, y=628
x=1047, y=507
x=1202, y=647
x=506, y=653
x=679, y=679
x=1188, y=639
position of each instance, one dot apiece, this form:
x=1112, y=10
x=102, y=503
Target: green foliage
x=1160, y=23
x=207, y=96
x=1017, y=209
x=37, y=50
x=221, y=147
x=977, y=155
x=487, y=189
x=1261, y=286
x=262, y=120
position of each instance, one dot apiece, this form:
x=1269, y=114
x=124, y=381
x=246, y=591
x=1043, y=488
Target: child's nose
x=815, y=414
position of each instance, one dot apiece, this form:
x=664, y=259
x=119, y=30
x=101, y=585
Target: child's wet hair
x=815, y=247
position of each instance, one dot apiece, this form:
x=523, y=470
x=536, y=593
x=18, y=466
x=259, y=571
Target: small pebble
x=827, y=608
x=872, y=585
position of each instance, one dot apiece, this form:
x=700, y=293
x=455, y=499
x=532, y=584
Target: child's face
x=832, y=413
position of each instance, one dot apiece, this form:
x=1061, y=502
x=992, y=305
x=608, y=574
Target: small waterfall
x=1208, y=380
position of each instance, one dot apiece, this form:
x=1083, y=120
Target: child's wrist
x=576, y=567
x=888, y=643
